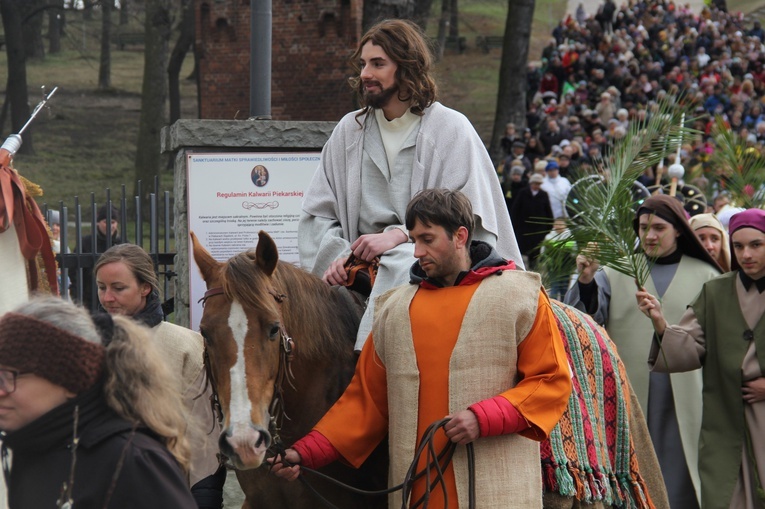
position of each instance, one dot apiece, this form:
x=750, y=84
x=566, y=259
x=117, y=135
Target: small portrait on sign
x=259, y=175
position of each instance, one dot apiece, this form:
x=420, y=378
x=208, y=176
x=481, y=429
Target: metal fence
x=135, y=220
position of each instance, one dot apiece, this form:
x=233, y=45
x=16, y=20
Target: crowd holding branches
x=594, y=80
x=617, y=99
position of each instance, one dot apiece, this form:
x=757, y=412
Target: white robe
x=557, y=189
x=447, y=153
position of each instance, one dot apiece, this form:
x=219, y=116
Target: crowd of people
x=602, y=71
x=597, y=75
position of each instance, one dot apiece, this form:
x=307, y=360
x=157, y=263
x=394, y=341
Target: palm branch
x=743, y=168
x=602, y=206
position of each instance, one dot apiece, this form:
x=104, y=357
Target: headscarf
x=671, y=210
x=710, y=221
x=750, y=218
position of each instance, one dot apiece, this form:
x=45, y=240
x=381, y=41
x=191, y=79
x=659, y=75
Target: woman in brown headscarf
x=722, y=330
x=672, y=403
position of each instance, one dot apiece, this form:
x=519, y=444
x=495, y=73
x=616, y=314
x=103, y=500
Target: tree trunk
x=511, y=98
x=105, y=63
x=87, y=9
x=55, y=26
x=10, y=10
x=182, y=45
x=4, y=111
x=421, y=14
x=32, y=18
x=454, y=27
x=124, y=13
x=443, y=27
x=376, y=10
x=148, y=159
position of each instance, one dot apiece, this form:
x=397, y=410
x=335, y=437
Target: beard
x=379, y=99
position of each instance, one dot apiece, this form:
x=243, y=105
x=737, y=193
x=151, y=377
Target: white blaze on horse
x=269, y=389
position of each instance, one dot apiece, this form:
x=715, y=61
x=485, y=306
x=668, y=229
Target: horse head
x=242, y=314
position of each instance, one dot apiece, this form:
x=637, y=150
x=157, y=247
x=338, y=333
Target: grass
x=469, y=82
x=86, y=141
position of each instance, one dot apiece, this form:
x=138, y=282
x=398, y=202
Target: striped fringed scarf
x=589, y=454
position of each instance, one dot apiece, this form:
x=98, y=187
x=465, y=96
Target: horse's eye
x=274, y=331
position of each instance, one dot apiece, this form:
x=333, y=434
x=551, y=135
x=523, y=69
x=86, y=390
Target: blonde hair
x=64, y=315
x=138, y=385
x=136, y=259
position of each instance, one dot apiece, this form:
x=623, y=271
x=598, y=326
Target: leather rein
x=435, y=461
x=284, y=373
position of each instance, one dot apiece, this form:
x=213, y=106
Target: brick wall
x=312, y=40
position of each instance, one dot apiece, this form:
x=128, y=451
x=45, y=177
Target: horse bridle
x=435, y=461
x=284, y=372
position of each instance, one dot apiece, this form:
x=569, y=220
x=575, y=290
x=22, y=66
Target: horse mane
x=322, y=320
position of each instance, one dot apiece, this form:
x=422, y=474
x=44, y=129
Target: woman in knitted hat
x=723, y=330
x=90, y=417
x=672, y=403
x=127, y=285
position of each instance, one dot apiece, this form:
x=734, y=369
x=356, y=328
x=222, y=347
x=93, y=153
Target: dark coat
x=149, y=476
x=549, y=138
x=527, y=212
x=511, y=191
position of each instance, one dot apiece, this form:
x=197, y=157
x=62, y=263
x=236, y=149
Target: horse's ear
x=206, y=263
x=266, y=253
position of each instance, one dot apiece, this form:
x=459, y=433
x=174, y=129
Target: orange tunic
x=358, y=422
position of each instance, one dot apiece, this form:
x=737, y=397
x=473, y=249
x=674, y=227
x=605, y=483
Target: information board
x=234, y=195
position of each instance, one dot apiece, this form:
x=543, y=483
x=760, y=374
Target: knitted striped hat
x=33, y=346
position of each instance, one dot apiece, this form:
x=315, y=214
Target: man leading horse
x=452, y=347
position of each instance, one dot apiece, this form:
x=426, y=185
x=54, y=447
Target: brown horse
x=253, y=304
x=245, y=321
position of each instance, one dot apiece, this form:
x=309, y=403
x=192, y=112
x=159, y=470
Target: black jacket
x=532, y=219
x=149, y=476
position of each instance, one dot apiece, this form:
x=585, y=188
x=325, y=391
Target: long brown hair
x=141, y=388
x=405, y=44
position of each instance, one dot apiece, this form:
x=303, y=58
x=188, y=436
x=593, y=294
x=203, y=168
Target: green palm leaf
x=603, y=205
x=742, y=168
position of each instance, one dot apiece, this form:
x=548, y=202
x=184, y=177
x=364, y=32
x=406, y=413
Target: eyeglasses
x=8, y=380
